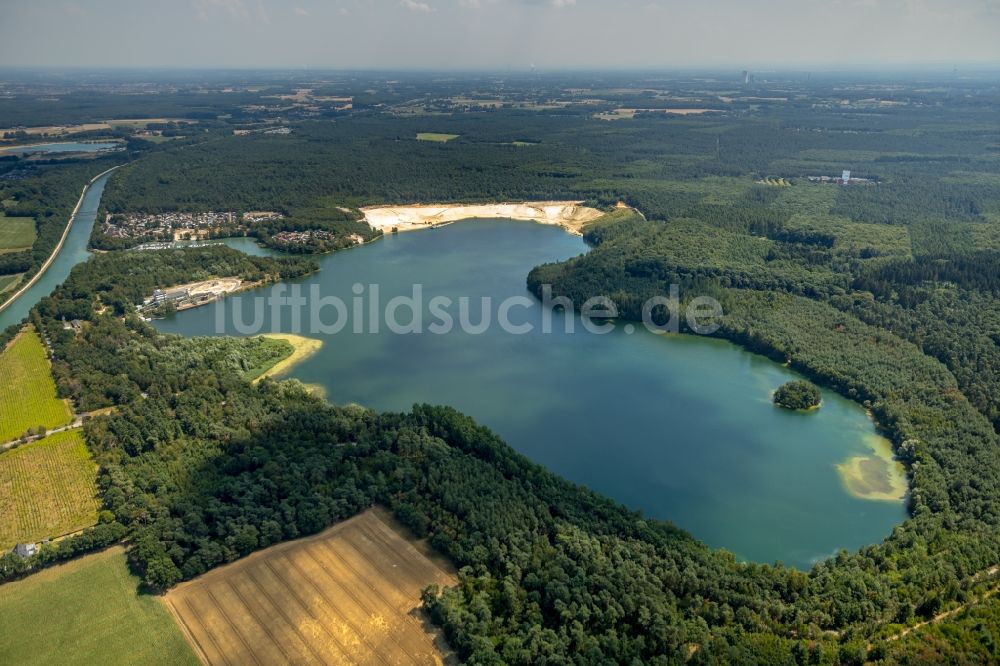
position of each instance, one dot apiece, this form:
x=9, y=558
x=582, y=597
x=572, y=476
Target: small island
x=799, y=395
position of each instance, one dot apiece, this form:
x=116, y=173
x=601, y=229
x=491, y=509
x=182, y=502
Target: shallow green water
x=679, y=427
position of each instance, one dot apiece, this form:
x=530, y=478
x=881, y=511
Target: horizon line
x=817, y=67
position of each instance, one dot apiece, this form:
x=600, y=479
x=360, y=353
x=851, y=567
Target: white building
x=26, y=549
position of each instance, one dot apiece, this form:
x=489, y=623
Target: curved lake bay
x=680, y=427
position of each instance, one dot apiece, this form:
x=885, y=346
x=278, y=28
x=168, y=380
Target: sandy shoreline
x=569, y=215
x=302, y=348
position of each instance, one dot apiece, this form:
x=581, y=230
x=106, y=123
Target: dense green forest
x=816, y=276
x=665, y=168
x=883, y=290
x=96, y=375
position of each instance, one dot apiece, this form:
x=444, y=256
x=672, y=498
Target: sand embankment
x=569, y=215
x=302, y=348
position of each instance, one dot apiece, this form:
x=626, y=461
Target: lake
x=61, y=147
x=680, y=427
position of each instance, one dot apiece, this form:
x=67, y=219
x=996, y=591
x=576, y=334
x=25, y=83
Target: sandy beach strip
x=302, y=348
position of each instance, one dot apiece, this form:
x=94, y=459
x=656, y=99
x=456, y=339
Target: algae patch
x=877, y=476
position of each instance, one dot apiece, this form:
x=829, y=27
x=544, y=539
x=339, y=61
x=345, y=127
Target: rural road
x=77, y=423
x=992, y=571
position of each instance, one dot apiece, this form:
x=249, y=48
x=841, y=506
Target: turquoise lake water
x=679, y=427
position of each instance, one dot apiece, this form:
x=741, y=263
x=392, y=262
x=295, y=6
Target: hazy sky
x=496, y=34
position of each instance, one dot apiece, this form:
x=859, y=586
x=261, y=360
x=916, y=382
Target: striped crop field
x=47, y=489
x=27, y=391
x=346, y=596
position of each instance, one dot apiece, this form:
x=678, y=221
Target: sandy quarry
x=569, y=215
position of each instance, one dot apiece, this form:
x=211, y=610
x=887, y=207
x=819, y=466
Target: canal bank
x=71, y=249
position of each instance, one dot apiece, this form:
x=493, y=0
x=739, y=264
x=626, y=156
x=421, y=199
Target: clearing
x=350, y=594
x=47, y=489
x=28, y=393
x=8, y=282
x=16, y=233
x=88, y=611
x=436, y=136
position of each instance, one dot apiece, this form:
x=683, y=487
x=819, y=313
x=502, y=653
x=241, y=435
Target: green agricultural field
x=16, y=233
x=436, y=137
x=46, y=489
x=88, y=611
x=28, y=393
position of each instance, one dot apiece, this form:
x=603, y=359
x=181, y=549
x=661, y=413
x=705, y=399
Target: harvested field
x=142, y=122
x=437, y=137
x=350, y=594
